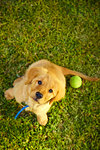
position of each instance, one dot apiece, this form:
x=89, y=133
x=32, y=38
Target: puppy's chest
x=39, y=109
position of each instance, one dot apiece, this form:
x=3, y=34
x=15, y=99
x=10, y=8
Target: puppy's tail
x=71, y=72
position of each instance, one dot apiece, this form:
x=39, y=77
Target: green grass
x=65, y=32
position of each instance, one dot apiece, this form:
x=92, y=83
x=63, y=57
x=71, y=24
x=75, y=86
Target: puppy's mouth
x=35, y=99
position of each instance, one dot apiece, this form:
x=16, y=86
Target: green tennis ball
x=75, y=81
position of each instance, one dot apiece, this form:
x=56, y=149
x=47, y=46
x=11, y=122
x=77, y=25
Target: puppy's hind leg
x=9, y=94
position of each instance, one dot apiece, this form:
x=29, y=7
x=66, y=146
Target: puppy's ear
x=59, y=96
x=31, y=73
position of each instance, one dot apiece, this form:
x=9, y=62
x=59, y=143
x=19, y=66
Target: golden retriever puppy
x=42, y=84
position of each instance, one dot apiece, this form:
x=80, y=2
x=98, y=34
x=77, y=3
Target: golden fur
x=40, y=96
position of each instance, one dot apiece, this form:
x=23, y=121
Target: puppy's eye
x=50, y=91
x=39, y=82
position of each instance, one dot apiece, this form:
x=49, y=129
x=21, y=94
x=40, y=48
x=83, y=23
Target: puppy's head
x=44, y=86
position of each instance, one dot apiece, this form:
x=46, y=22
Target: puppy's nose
x=39, y=95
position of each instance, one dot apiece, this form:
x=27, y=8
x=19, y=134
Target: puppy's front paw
x=42, y=119
x=8, y=94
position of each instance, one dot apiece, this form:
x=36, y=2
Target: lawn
x=66, y=32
